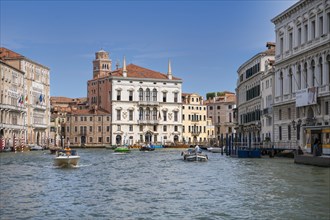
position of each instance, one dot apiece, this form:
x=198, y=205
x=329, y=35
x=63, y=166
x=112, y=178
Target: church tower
x=101, y=64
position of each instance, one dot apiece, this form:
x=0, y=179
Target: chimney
x=124, y=68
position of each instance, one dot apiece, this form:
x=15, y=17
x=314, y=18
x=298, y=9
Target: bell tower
x=101, y=64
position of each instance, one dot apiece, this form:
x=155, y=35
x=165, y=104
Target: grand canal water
x=159, y=185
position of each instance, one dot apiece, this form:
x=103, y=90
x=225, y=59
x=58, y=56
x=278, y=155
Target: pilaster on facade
x=302, y=75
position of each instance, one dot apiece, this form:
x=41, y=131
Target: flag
x=40, y=98
x=26, y=98
x=19, y=100
x=22, y=100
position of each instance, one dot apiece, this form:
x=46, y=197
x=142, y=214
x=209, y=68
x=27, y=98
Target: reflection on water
x=160, y=185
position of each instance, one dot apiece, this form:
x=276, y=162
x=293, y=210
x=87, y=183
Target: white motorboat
x=36, y=147
x=191, y=155
x=215, y=149
x=66, y=158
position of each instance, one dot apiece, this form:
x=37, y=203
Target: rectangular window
x=164, y=96
x=306, y=33
x=99, y=118
x=320, y=26
x=176, y=97
x=299, y=36
x=118, y=115
x=108, y=139
x=281, y=45
x=183, y=118
x=99, y=128
x=130, y=115
x=289, y=132
x=175, y=128
x=155, y=127
x=118, y=95
x=279, y=114
x=108, y=118
x=100, y=139
x=141, y=127
x=130, y=97
x=90, y=139
x=90, y=118
x=165, y=115
x=175, y=116
x=75, y=129
x=313, y=30
x=130, y=127
x=108, y=128
x=118, y=127
x=290, y=41
x=280, y=133
x=90, y=129
x=328, y=21
x=164, y=128
x=326, y=108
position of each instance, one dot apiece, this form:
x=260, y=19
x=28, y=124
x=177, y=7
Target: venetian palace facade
x=302, y=76
x=196, y=125
x=24, y=102
x=249, y=96
x=145, y=105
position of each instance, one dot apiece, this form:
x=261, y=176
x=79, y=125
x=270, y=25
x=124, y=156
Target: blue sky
x=206, y=41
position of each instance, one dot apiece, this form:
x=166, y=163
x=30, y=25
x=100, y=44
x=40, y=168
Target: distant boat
x=66, y=158
x=36, y=147
x=122, y=149
x=147, y=147
x=215, y=149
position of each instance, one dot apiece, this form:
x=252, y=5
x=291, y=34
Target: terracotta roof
x=61, y=99
x=6, y=53
x=135, y=71
x=89, y=112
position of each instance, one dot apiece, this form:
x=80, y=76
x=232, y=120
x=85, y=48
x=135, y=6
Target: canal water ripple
x=160, y=185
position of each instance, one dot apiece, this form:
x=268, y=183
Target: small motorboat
x=122, y=149
x=215, y=149
x=36, y=147
x=147, y=147
x=66, y=158
x=192, y=155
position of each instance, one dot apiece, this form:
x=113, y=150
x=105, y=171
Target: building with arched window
x=249, y=98
x=302, y=76
x=145, y=105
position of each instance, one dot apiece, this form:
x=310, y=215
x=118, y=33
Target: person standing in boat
x=67, y=150
x=198, y=149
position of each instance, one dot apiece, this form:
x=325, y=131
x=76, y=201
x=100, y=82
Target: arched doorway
x=176, y=138
x=148, y=137
x=118, y=139
x=38, y=138
x=83, y=140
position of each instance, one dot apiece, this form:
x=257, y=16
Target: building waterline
x=160, y=185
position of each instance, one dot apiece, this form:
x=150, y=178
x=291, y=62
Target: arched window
x=141, y=94
x=154, y=114
x=281, y=84
x=148, y=95
x=305, y=76
x=141, y=113
x=148, y=114
x=321, y=71
x=154, y=95
x=299, y=77
x=290, y=81
x=328, y=73
x=313, y=73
